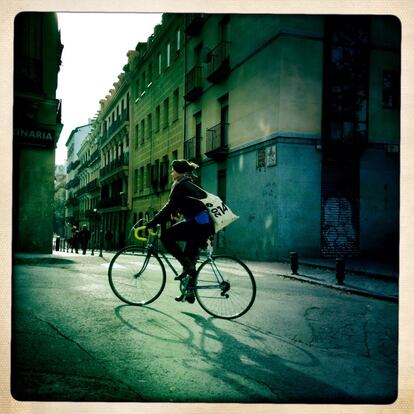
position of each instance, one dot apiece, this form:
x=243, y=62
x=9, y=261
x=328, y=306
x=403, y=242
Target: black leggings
x=191, y=232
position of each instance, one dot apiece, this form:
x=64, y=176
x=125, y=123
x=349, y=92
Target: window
x=224, y=119
x=141, y=179
x=143, y=82
x=178, y=39
x=136, y=135
x=148, y=176
x=168, y=54
x=166, y=113
x=157, y=118
x=143, y=131
x=224, y=29
x=150, y=74
x=175, y=105
x=346, y=98
x=135, y=180
x=159, y=63
x=197, y=54
x=149, y=125
x=390, y=89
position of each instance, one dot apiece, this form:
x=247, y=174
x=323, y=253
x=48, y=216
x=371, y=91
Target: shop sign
x=35, y=136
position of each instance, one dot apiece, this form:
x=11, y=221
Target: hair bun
x=183, y=166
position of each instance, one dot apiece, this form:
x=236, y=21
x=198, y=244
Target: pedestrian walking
x=84, y=237
x=74, y=240
x=108, y=238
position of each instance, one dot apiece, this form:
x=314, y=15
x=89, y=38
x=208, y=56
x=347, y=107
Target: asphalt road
x=73, y=340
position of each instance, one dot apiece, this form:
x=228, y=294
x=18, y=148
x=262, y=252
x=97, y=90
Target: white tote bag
x=221, y=214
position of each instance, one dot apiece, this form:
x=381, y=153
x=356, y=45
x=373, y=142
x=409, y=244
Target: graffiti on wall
x=339, y=235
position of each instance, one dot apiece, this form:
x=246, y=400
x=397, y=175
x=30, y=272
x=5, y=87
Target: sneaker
x=181, y=276
x=190, y=290
x=190, y=298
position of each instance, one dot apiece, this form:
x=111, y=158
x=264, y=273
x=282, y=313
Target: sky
x=95, y=47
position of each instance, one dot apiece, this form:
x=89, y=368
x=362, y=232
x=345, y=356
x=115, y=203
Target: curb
x=342, y=288
x=365, y=273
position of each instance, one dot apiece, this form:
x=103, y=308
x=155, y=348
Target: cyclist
x=196, y=227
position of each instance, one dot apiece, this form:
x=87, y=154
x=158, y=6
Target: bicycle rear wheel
x=136, y=276
x=225, y=287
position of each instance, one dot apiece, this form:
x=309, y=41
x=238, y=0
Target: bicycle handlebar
x=141, y=228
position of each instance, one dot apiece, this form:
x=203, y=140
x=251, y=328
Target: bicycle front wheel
x=136, y=276
x=225, y=287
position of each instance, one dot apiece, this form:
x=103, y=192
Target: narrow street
x=73, y=340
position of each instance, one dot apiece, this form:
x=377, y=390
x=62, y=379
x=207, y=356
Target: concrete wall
x=35, y=201
x=379, y=203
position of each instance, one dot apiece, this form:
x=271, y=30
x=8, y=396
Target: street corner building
x=36, y=129
x=293, y=119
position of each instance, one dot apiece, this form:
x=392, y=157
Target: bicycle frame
x=231, y=289
x=152, y=248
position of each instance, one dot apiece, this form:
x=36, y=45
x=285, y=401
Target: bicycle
x=224, y=285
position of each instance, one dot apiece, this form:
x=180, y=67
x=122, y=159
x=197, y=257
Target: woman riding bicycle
x=196, y=227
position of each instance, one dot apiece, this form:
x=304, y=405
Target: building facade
x=114, y=118
x=301, y=130
x=293, y=119
x=73, y=176
x=156, y=74
x=36, y=129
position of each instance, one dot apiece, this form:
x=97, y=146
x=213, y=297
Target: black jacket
x=180, y=201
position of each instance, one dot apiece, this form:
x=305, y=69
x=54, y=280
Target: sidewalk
x=362, y=277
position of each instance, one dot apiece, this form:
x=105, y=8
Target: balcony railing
x=115, y=165
x=73, y=165
x=192, y=150
x=194, y=23
x=81, y=191
x=92, y=185
x=219, y=65
x=72, y=201
x=72, y=183
x=216, y=141
x=115, y=126
x=118, y=201
x=193, y=84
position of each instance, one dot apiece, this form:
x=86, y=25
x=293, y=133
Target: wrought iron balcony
x=118, y=201
x=92, y=185
x=216, y=141
x=193, y=84
x=192, y=149
x=194, y=23
x=219, y=64
x=115, y=126
x=115, y=165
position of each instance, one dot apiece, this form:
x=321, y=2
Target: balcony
x=219, y=65
x=115, y=166
x=72, y=201
x=92, y=185
x=83, y=190
x=192, y=149
x=216, y=141
x=72, y=183
x=193, y=84
x=122, y=119
x=194, y=23
x=113, y=202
